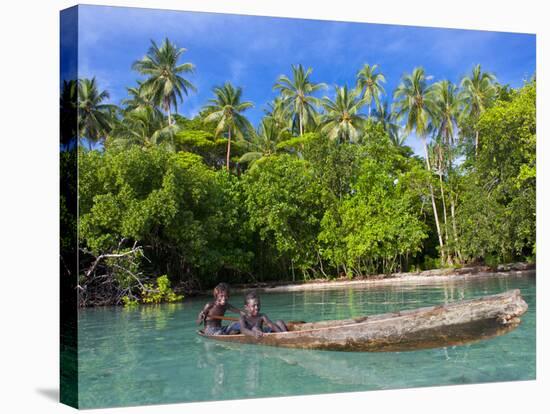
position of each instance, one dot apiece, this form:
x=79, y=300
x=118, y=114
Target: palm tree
x=438, y=154
x=264, y=141
x=165, y=84
x=225, y=110
x=369, y=84
x=477, y=91
x=278, y=112
x=94, y=117
x=449, y=103
x=414, y=102
x=342, y=120
x=139, y=100
x=68, y=103
x=144, y=127
x=386, y=117
x=298, y=95
x=399, y=140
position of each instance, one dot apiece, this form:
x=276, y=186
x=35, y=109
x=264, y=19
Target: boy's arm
x=204, y=313
x=272, y=326
x=246, y=331
x=233, y=309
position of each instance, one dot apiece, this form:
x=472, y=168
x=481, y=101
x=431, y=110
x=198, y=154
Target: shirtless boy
x=254, y=323
x=217, y=308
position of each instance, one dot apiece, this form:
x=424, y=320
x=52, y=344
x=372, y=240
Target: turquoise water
x=152, y=355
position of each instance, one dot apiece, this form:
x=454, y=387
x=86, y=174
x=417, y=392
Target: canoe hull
x=431, y=327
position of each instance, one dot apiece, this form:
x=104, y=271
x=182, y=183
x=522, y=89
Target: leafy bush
x=162, y=293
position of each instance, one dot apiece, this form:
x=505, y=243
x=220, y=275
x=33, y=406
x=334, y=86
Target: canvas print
x=256, y=207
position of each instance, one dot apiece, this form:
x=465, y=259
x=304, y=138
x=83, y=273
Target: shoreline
x=408, y=278
x=435, y=275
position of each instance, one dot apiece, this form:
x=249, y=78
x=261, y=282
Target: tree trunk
x=167, y=106
x=440, y=173
x=301, y=125
x=455, y=233
x=434, y=207
x=228, y=149
x=457, y=250
x=477, y=140
x=448, y=258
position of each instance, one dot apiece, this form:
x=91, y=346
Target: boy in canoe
x=254, y=323
x=213, y=312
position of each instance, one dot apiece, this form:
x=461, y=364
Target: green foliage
x=125, y=268
x=130, y=302
x=497, y=212
x=342, y=119
x=335, y=166
x=162, y=293
x=172, y=203
x=508, y=140
x=203, y=143
x=194, y=124
x=68, y=112
x=430, y=263
x=377, y=223
x=67, y=204
x=284, y=206
x=94, y=117
x=296, y=144
x=143, y=126
x=189, y=140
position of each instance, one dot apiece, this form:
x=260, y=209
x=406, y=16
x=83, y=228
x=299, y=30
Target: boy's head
x=252, y=303
x=221, y=293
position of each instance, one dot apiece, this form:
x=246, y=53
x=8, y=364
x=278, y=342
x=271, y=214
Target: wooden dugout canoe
x=456, y=323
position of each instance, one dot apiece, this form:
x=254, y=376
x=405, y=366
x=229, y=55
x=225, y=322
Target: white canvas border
x=29, y=211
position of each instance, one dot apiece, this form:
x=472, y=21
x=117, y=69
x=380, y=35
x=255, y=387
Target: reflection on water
x=152, y=354
x=214, y=358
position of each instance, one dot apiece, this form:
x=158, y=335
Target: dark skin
x=252, y=321
x=216, y=308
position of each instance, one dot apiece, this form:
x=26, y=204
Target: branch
x=111, y=255
x=131, y=274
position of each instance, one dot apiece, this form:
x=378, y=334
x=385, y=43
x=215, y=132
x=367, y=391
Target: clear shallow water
x=152, y=355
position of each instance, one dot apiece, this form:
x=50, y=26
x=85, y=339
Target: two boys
x=251, y=321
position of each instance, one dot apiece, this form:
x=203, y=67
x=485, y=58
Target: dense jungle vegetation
x=323, y=187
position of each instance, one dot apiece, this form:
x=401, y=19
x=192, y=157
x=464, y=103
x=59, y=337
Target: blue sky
x=252, y=52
